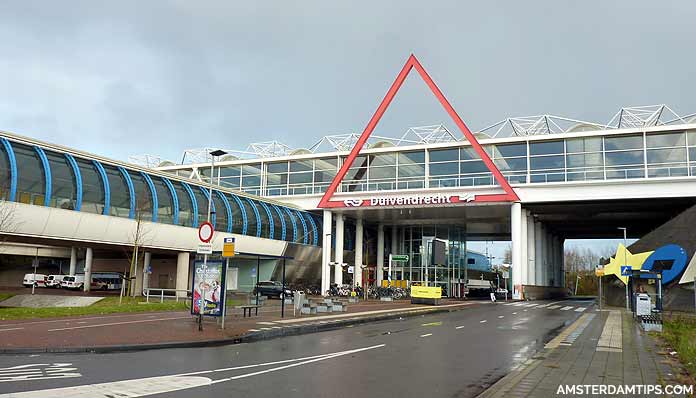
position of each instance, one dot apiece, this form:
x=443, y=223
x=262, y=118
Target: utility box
x=643, y=305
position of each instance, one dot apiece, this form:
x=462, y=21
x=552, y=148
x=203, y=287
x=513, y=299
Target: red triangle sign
x=412, y=62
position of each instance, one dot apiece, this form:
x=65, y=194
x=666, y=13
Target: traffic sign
x=205, y=248
x=599, y=272
x=351, y=269
x=205, y=232
x=399, y=257
x=626, y=270
x=228, y=247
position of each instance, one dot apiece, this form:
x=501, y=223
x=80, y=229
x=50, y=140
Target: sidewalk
x=121, y=332
x=600, y=348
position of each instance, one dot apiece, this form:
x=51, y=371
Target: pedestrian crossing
x=548, y=306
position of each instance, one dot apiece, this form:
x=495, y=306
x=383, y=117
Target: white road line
x=265, y=328
x=544, y=305
x=580, y=309
x=514, y=313
x=117, y=323
x=510, y=303
x=68, y=320
x=553, y=307
x=501, y=316
x=519, y=304
x=483, y=321
x=532, y=305
x=459, y=327
x=426, y=335
x=566, y=308
x=253, y=330
x=7, y=330
x=163, y=384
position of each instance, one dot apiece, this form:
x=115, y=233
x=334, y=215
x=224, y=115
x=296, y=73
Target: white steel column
x=358, y=270
x=380, y=254
x=539, y=253
x=182, y=273
x=338, y=255
x=326, y=253
x=545, y=249
x=562, y=272
x=516, y=237
x=88, y=269
x=73, y=260
x=147, y=260
x=523, y=262
x=531, y=247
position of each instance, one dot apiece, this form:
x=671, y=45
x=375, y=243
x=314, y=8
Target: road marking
x=514, y=313
x=519, y=304
x=513, y=303
x=265, y=328
x=117, y=323
x=253, y=330
x=501, y=316
x=566, y=308
x=68, y=320
x=38, y=371
x=163, y=384
x=544, y=305
x=432, y=324
x=610, y=339
x=459, y=327
x=580, y=309
x=553, y=307
x=426, y=335
x=265, y=323
x=532, y=305
x=524, y=310
x=483, y=321
x=7, y=330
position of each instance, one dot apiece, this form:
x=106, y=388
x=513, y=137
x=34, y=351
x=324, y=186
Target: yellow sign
x=426, y=292
x=228, y=247
x=599, y=272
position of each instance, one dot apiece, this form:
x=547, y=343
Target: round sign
x=205, y=232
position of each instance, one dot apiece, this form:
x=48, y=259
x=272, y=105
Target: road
x=456, y=354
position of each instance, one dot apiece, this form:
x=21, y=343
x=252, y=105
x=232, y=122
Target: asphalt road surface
x=455, y=354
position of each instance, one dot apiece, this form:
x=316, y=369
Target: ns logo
x=352, y=202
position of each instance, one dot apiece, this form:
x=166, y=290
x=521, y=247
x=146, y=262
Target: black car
x=271, y=289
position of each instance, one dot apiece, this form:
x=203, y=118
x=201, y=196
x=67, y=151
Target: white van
x=73, y=282
x=38, y=280
x=54, y=280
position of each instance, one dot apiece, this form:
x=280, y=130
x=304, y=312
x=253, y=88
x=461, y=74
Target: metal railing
x=164, y=293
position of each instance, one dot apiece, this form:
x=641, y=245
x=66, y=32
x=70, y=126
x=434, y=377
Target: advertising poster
x=208, y=288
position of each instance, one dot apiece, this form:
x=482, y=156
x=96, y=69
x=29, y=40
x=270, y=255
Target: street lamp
x=214, y=154
x=624, y=262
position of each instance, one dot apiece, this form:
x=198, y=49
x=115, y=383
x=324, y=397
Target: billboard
x=438, y=253
x=208, y=288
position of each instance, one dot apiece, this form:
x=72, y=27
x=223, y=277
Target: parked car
x=73, y=282
x=38, y=280
x=271, y=289
x=54, y=281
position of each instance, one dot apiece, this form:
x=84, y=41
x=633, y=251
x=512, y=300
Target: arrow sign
x=626, y=270
x=399, y=257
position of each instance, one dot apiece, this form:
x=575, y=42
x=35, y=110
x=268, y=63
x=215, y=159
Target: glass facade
x=528, y=161
x=34, y=175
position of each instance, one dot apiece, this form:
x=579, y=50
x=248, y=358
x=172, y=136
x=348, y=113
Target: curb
x=250, y=337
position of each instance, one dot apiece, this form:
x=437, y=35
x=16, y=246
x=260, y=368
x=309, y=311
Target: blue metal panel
x=78, y=180
x=131, y=191
x=294, y=224
x=305, y=237
x=282, y=222
x=13, y=168
x=245, y=220
x=258, y=217
x=228, y=209
x=155, y=205
x=194, y=204
x=212, y=205
x=105, y=183
x=314, y=227
x=47, y=174
x=270, y=220
x=175, y=199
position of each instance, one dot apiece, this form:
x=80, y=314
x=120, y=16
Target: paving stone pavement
x=637, y=362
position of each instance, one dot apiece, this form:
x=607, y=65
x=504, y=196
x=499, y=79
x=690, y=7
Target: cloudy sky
x=131, y=77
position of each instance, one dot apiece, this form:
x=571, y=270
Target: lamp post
x=624, y=264
x=214, y=154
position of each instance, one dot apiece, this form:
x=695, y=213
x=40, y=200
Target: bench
x=308, y=308
x=247, y=309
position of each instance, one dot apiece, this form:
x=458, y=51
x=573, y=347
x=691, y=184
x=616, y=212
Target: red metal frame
x=412, y=62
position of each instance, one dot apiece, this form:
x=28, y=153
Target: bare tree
x=139, y=237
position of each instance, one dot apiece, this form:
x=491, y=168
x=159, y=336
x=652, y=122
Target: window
x=63, y=182
x=202, y=202
x=165, y=202
x=5, y=174
x=120, y=194
x=92, y=187
x=185, y=206
x=237, y=217
x=251, y=178
x=230, y=176
x=277, y=178
x=143, y=197
x=471, y=261
x=444, y=155
x=251, y=216
x=545, y=148
x=220, y=213
x=664, y=140
x=614, y=143
x=666, y=154
x=31, y=181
